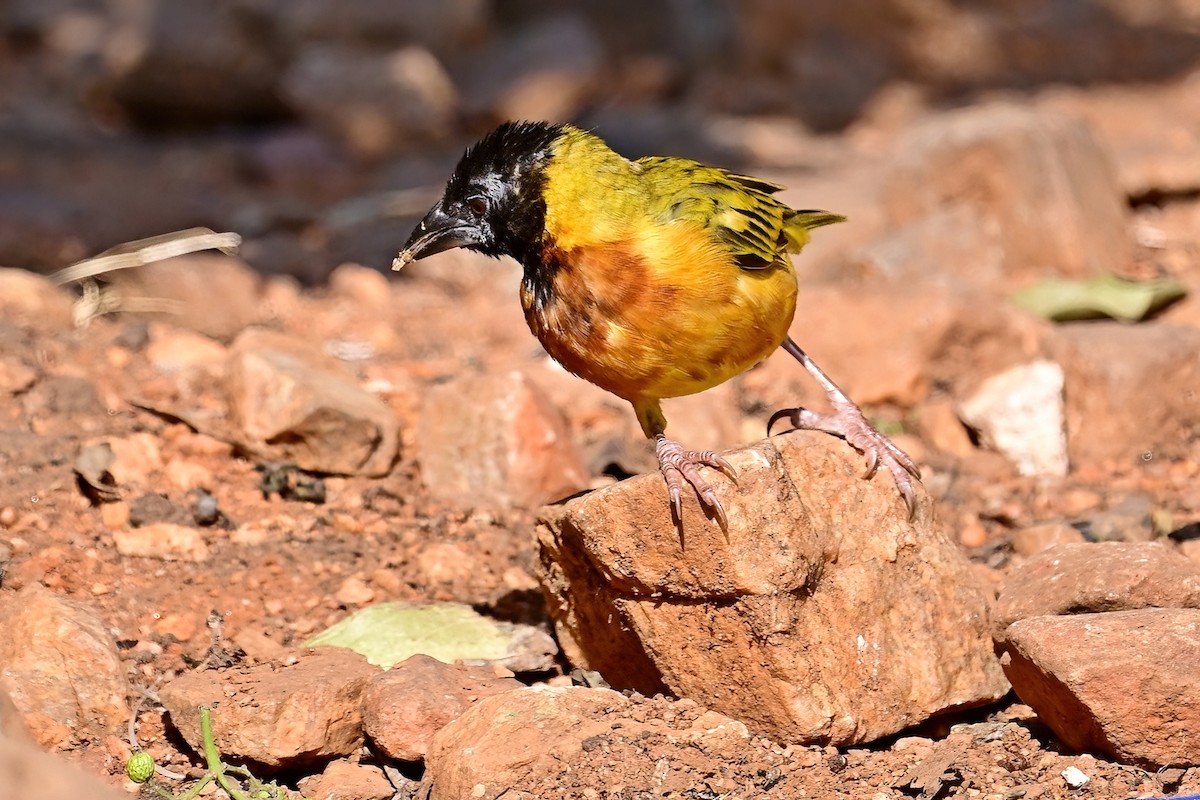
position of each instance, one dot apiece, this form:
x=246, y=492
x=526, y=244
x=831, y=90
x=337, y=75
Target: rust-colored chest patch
x=655, y=316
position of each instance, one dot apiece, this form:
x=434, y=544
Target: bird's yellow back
x=665, y=277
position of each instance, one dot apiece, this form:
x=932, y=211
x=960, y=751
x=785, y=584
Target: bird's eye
x=478, y=206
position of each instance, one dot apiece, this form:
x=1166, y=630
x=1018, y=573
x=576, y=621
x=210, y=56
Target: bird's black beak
x=437, y=233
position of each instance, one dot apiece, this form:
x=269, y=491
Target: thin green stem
x=215, y=767
x=190, y=794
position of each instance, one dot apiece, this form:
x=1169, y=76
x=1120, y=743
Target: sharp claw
x=725, y=467
x=719, y=512
x=910, y=500
x=778, y=415
x=910, y=466
x=848, y=422
x=872, y=463
x=679, y=466
x=710, y=459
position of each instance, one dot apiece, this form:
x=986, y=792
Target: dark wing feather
x=738, y=210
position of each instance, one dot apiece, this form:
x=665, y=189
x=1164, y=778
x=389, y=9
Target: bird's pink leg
x=848, y=422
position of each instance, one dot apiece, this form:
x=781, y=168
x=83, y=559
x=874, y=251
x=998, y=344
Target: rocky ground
x=205, y=461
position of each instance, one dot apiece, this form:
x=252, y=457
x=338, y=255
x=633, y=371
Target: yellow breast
x=661, y=312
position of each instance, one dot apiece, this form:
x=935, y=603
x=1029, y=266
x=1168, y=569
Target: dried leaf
x=387, y=633
x=1106, y=296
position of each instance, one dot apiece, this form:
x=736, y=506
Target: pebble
x=1074, y=777
x=354, y=592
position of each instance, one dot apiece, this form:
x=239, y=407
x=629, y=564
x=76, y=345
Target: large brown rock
x=59, y=662
x=1130, y=390
x=1040, y=176
x=277, y=715
x=1121, y=683
x=293, y=404
x=1098, y=576
x=824, y=616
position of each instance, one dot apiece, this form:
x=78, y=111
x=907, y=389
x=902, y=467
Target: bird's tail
x=797, y=225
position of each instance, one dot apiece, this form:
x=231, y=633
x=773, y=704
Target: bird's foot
x=848, y=422
x=679, y=465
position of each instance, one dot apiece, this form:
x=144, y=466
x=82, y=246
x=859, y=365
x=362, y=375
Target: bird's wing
x=737, y=209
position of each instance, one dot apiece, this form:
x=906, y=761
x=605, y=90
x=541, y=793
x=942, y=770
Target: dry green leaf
x=387, y=633
x=1106, y=296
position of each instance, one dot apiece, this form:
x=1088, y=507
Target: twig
x=146, y=251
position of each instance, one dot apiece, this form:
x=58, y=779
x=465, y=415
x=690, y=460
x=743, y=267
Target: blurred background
x=319, y=130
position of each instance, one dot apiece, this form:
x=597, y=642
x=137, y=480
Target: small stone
x=115, y=516
x=344, y=780
x=153, y=507
x=212, y=294
x=135, y=459
x=939, y=421
x=354, y=592
x=274, y=714
x=34, y=301
x=173, y=350
x=188, y=475
x=404, y=707
x=180, y=626
x=163, y=540
x=1034, y=539
x=206, y=511
x=1020, y=413
x=1098, y=576
x=524, y=740
x=362, y=286
x=1074, y=778
x=1130, y=390
x=1130, y=520
x=301, y=407
x=972, y=534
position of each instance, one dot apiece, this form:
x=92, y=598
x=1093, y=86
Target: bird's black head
x=493, y=202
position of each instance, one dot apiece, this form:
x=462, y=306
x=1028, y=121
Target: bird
x=652, y=278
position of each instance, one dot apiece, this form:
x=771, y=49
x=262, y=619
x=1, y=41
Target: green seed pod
x=140, y=767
